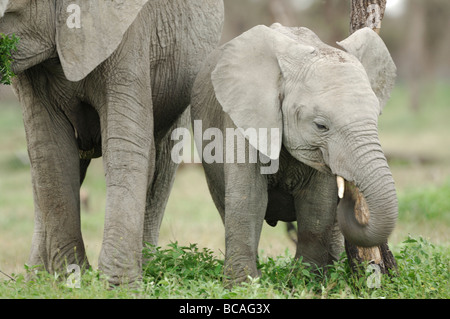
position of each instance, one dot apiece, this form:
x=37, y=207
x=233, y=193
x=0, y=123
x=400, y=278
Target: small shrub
x=182, y=271
x=424, y=271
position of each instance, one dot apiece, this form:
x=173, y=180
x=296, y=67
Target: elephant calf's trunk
x=373, y=198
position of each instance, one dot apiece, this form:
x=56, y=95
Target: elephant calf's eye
x=321, y=127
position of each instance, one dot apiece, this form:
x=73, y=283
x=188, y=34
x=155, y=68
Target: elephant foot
x=66, y=267
x=236, y=274
x=119, y=267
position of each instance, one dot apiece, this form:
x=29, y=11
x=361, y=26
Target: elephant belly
x=183, y=33
x=280, y=207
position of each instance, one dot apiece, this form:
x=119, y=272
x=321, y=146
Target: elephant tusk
x=341, y=186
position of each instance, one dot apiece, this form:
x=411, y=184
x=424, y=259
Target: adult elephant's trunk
x=360, y=160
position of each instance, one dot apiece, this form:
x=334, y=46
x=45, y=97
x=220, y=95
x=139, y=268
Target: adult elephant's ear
x=370, y=50
x=88, y=32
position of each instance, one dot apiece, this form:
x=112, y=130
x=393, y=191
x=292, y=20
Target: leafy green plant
x=190, y=272
x=189, y=262
x=182, y=270
x=424, y=271
x=7, y=46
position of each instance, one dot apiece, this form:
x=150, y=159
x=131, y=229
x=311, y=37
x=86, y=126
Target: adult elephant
x=104, y=78
x=311, y=111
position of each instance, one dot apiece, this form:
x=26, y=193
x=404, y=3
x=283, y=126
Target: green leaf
x=7, y=46
x=410, y=240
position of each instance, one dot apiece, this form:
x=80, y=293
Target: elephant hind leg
x=158, y=194
x=161, y=185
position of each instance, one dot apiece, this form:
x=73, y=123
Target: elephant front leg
x=129, y=155
x=245, y=206
x=319, y=241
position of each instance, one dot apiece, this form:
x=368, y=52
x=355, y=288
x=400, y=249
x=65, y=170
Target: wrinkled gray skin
x=114, y=87
x=326, y=103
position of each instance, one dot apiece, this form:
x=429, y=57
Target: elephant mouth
x=365, y=219
x=360, y=207
x=313, y=157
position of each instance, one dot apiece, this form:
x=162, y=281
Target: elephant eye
x=321, y=127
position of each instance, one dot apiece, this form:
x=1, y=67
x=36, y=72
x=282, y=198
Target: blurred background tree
x=415, y=31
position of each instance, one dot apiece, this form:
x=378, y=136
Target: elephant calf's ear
x=3, y=6
x=246, y=84
x=370, y=50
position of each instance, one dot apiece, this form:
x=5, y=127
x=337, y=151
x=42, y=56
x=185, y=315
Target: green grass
x=433, y=112
x=190, y=272
x=426, y=204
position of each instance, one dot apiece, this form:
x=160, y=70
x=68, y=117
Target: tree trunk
x=367, y=13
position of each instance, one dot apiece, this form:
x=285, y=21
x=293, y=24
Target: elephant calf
x=324, y=104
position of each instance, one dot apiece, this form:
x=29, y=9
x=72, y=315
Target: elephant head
x=326, y=103
x=82, y=34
